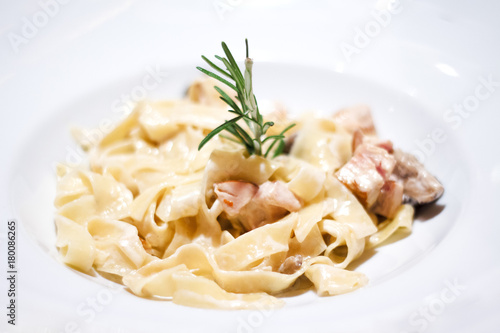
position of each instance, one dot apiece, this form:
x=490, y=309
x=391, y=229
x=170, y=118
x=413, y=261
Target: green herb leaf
x=225, y=97
x=279, y=149
x=248, y=108
x=216, y=131
x=215, y=76
x=281, y=144
x=214, y=66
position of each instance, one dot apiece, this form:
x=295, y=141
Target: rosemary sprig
x=248, y=109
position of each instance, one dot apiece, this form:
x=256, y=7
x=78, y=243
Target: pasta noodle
x=146, y=213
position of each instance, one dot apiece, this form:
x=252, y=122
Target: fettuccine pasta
x=149, y=210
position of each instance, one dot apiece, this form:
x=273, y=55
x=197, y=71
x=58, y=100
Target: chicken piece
x=234, y=195
x=420, y=187
x=356, y=117
x=359, y=138
x=272, y=202
x=389, y=199
x=278, y=194
x=254, y=206
x=391, y=193
x=366, y=172
x=291, y=264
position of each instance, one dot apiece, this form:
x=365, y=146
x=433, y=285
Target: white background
x=433, y=52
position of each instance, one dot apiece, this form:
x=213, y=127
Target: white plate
x=75, y=69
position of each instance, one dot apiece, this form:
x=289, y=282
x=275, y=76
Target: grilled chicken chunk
x=420, y=187
x=234, y=195
x=389, y=199
x=254, y=206
x=379, y=175
x=359, y=138
x=366, y=172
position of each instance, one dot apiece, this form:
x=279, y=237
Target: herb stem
x=249, y=110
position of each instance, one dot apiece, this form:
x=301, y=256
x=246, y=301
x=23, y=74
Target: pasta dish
x=223, y=226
